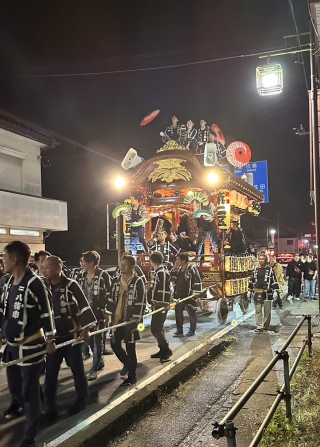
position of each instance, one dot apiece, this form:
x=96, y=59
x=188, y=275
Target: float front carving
x=169, y=170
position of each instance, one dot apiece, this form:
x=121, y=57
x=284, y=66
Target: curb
x=101, y=431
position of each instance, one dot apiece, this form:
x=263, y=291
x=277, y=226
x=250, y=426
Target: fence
x=226, y=428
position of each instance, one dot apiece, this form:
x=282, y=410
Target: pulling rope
x=99, y=331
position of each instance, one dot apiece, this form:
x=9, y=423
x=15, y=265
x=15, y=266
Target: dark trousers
x=294, y=287
x=137, y=235
x=73, y=357
x=192, y=312
x=202, y=236
x=277, y=301
x=85, y=349
x=128, y=357
x=24, y=387
x=96, y=345
x=157, y=331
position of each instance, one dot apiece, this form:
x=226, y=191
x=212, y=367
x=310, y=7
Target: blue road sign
x=259, y=169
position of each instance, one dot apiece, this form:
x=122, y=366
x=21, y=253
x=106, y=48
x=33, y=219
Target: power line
x=245, y=117
x=281, y=224
x=162, y=67
x=261, y=119
x=76, y=144
x=298, y=40
x=136, y=56
x=243, y=124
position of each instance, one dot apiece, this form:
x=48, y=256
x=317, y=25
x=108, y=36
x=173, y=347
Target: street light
x=313, y=112
x=272, y=232
x=269, y=79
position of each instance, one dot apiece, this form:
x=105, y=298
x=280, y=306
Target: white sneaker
x=297, y=299
x=289, y=298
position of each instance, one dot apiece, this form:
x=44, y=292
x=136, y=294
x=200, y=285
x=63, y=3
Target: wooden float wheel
x=222, y=310
x=244, y=303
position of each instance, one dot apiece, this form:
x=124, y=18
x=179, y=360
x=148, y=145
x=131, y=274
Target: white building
x=24, y=214
x=286, y=245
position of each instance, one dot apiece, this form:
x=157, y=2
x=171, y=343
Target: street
x=105, y=390
x=185, y=417
x=189, y=412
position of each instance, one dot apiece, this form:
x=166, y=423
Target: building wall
x=28, y=151
x=14, y=147
x=286, y=245
x=35, y=243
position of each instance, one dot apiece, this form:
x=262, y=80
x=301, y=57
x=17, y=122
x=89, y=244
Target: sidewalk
x=185, y=417
x=289, y=315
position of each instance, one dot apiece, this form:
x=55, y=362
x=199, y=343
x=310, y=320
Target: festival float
x=172, y=184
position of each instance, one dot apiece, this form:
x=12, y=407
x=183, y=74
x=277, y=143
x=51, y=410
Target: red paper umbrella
x=220, y=137
x=238, y=154
x=147, y=119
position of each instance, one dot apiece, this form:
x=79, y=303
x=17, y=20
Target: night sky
x=104, y=111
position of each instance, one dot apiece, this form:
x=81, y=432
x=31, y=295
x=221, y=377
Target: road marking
x=85, y=423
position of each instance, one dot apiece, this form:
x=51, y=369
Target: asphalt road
x=185, y=418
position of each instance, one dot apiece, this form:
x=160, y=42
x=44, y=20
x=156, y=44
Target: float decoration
x=254, y=207
x=171, y=183
x=171, y=146
x=147, y=119
x=116, y=212
x=195, y=196
x=238, y=154
x=223, y=209
x=141, y=222
x=169, y=170
x=220, y=137
x=200, y=213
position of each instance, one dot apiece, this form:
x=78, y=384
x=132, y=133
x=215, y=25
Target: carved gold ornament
x=169, y=170
x=211, y=276
x=171, y=146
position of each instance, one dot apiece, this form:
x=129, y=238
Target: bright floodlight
x=190, y=193
x=272, y=231
x=269, y=79
x=119, y=182
x=213, y=178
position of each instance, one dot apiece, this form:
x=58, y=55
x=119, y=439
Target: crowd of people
x=191, y=138
x=189, y=238
x=45, y=308
x=267, y=282
x=302, y=271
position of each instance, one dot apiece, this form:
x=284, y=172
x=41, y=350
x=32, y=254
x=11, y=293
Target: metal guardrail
x=226, y=428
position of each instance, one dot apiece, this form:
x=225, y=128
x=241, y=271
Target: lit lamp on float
x=269, y=79
x=119, y=182
x=213, y=178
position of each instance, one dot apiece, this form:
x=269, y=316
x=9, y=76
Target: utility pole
x=315, y=140
x=278, y=232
